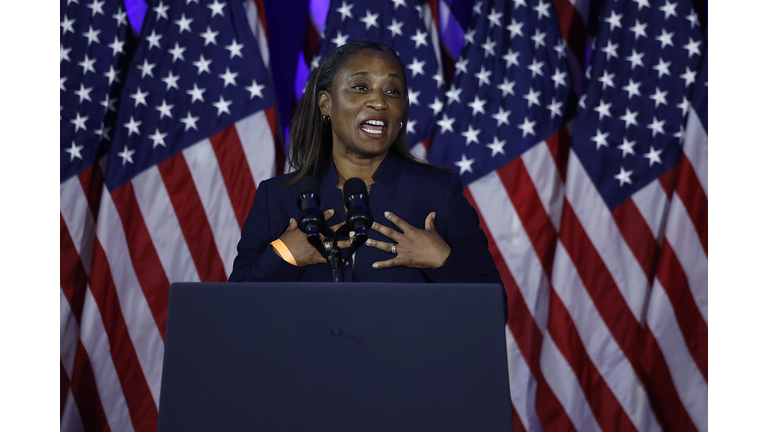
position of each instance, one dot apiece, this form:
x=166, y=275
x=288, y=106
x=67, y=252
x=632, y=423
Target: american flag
x=155, y=196
x=601, y=241
x=407, y=27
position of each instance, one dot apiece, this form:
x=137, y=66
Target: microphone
x=311, y=220
x=359, y=217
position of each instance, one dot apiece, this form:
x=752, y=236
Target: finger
x=386, y=247
x=337, y=226
x=400, y=223
x=387, y=231
x=343, y=244
x=429, y=222
x=292, y=225
x=386, y=264
x=329, y=213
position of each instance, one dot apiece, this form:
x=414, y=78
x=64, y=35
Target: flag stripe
x=241, y=189
x=86, y=394
x=638, y=236
x=260, y=157
x=192, y=219
x=70, y=415
x=64, y=389
x=572, y=28
x=695, y=200
x=522, y=388
x=73, y=275
x=652, y=203
x=696, y=148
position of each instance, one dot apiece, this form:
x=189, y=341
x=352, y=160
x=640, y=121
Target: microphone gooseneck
x=359, y=218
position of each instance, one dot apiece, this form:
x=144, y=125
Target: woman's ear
x=324, y=102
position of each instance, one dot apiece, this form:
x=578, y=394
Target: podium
x=335, y=357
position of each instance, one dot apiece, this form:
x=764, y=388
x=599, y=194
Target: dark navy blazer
x=406, y=189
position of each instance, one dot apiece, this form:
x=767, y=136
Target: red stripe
x=528, y=338
x=694, y=199
x=669, y=179
x=621, y=322
x=92, y=182
x=695, y=331
x=64, y=386
x=517, y=425
x=638, y=236
x=262, y=15
x=235, y=172
x=271, y=114
x=134, y=384
x=85, y=393
x=572, y=28
x=559, y=144
x=73, y=276
x=146, y=263
x=192, y=219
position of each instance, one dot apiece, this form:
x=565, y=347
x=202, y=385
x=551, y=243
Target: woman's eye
x=393, y=92
x=360, y=87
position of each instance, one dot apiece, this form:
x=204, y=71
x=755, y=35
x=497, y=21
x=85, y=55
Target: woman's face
x=366, y=104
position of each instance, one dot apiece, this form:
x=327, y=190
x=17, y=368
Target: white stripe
x=522, y=386
x=163, y=226
x=652, y=203
x=686, y=376
x=252, y=15
x=685, y=241
x=696, y=148
x=606, y=355
x=258, y=145
x=138, y=317
x=561, y=379
x=78, y=218
x=96, y=344
x=510, y=237
x=69, y=334
x=70, y=416
x=434, y=34
x=206, y=174
x=605, y=236
x=419, y=152
x=543, y=172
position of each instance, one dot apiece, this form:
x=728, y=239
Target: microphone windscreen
x=355, y=186
x=307, y=184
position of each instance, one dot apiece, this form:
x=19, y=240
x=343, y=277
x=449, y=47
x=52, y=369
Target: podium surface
x=336, y=357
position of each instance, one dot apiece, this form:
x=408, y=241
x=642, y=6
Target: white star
x=190, y=122
x=604, y=109
x=630, y=118
x=488, y=46
x=606, y=79
x=209, y=36
x=583, y=99
x=235, y=49
x=398, y=3
x=693, y=18
x=527, y=127
x=370, y=19
x=255, y=89
x=222, y=105
x=680, y=135
x=535, y=69
x=121, y=16
x=600, y=139
x=74, y=151
x=217, y=8
x=623, y=177
x=689, y=76
x=146, y=69
x=79, y=122
x=411, y=127
x=614, y=20
x=494, y=18
x=340, y=39
x=636, y=59
x=659, y=97
x=483, y=75
x=532, y=97
x=610, y=50
x=665, y=38
x=446, y=124
x=184, y=23
x=96, y=7
x=413, y=97
x=554, y=108
x=196, y=93
x=165, y=110
x=461, y=66
x=471, y=135
x=158, y=138
x=438, y=77
x=139, y=97
x=229, y=77
x=507, y=88
x=202, y=65
x=639, y=29
x=154, y=40
x=420, y=38
x=511, y=57
x=84, y=93
x=477, y=9
x=126, y=155
x=315, y=62
x=92, y=35
x=108, y=103
x=416, y=67
x=657, y=126
x=641, y=3
x=61, y=85
x=436, y=106
x=346, y=12
x=161, y=10
x=662, y=68
x=654, y=156
x=538, y=38
x=542, y=9
x=177, y=52
x=515, y=29
x=170, y=81
x=502, y=117
x=87, y=64
x=395, y=28
x=668, y=9
x=465, y=164
x=453, y=94
x=692, y=47
x=117, y=46
x=519, y=3
x=560, y=48
x=684, y=105
x=633, y=88
x=559, y=78
x=469, y=37
x=66, y=25
x=133, y=126
x=477, y=105
x=496, y=146
x=64, y=53
x=627, y=147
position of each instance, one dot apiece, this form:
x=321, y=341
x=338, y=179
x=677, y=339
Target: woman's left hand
x=414, y=247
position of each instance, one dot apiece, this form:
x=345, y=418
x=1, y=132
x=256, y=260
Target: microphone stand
x=336, y=262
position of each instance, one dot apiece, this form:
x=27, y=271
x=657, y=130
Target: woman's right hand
x=303, y=252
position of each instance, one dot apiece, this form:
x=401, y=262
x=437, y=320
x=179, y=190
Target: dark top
x=408, y=190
